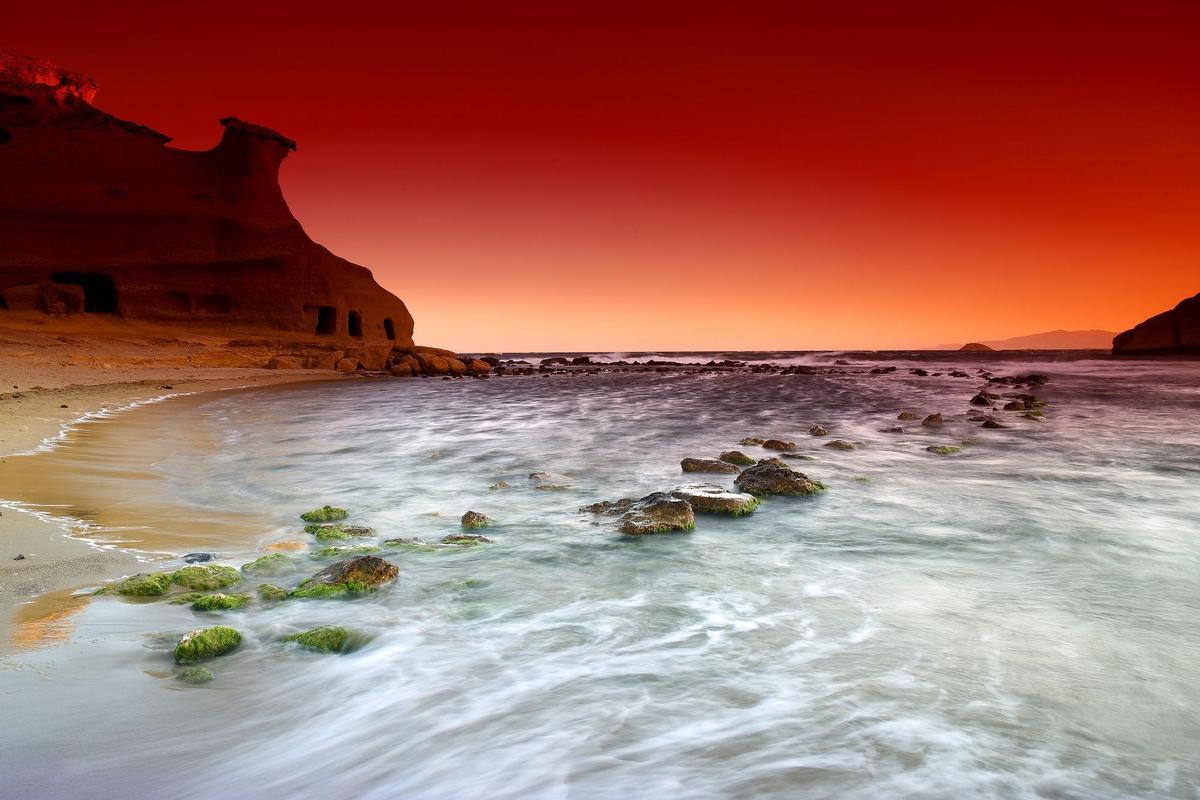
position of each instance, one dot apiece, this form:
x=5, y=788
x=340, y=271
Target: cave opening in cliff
x=326, y=319
x=99, y=291
x=354, y=324
x=389, y=329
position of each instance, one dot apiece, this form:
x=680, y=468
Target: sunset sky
x=539, y=176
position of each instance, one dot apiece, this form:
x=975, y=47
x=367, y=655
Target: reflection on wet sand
x=47, y=620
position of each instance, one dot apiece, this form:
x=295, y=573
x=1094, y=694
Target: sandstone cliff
x=103, y=224
x=1172, y=332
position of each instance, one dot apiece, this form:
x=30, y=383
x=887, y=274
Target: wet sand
x=58, y=428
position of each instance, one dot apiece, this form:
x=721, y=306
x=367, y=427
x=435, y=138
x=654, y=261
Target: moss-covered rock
x=220, y=602
x=195, y=675
x=205, y=643
x=325, y=514
x=713, y=499
x=344, y=552
x=466, y=539
x=772, y=476
x=271, y=564
x=271, y=593
x=473, y=520
x=143, y=585
x=207, y=579
x=413, y=545
x=186, y=598
x=943, y=449
x=352, y=577
x=328, y=639
x=737, y=457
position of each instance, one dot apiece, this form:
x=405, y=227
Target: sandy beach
x=47, y=383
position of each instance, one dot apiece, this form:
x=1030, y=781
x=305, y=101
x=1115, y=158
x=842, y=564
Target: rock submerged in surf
x=142, y=585
x=220, y=602
x=659, y=512
x=736, y=457
x=943, y=449
x=778, y=444
x=466, y=539
x=350, y=578
x=325, y=553
x=195, y=675
x=333, y=531
x=908, y=416
x=707, y=465
x=933, y=421
x=325, y=514
x=473, y=520
x=817, y=430
x=271, y=564
x=207, y=579
x=710, y=498
x=772, y=476
x=328, y=639
x=204, y=643
x=841, y=444
x=270, y=593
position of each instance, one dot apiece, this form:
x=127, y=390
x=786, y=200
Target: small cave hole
x=354, y=324
x=5, y=136
x=99, y=291
x=326, y=320
x=389, y=328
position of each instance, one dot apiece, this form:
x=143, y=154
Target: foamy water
x=1015, y=621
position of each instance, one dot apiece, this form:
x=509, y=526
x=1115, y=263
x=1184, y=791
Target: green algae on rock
x=207, y=579
x=271, y=564
x=220, y=602
x=142, y=585
x=196, y=675
x=473, y=520
x=343, y=552
x=271, y=593
x=943, y=449
x=736, y=457
x=713, y=499
x=186, y=598
x=354, y=577
x=205, y=643
x=334, y=531
x=325, y=514
x=466, y=539
x=772, y=476
x=414, y=545
x=328, y=639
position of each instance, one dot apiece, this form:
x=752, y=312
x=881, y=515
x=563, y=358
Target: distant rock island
x=102, y=224
x=1172, y=332
x=1050, y=340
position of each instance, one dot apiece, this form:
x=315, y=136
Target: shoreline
x=37, y=590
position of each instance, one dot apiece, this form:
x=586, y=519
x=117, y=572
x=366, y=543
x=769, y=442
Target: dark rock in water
x=19, y=557
x=206, y=643
x=466, y=539
x=1014, y=405
x=841, y=444
x=976, y=347
x=555, y=361
x=713, y=499
x=325, y=514
x=778, y=444
x=473, y=519
x=977, y=416
x=892, y=429
x=908, y=415
x=1172, y=332
x=655, y=513
x=354, y=576
x=737, y=457
x=196, y=675
x=841, y=362
x=919, y=372
x=752, y=440
x=579, y=361
x=772, y=476
x=707, y=465
x=992, y=423
x=943, y=449
x=958, y=373
x=817, y=430
x=883, y=370
x=199, y=558
x=1034, y=414
x=932, y=421
x=981, y=400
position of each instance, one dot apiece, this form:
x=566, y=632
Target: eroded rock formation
x=1175, y=331
x=101, y=220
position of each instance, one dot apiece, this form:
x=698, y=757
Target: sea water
x=1015, y=620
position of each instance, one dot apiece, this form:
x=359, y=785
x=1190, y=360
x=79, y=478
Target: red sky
x=540, y=176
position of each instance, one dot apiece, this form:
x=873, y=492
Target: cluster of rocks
x=398, y=362
x=209, y=588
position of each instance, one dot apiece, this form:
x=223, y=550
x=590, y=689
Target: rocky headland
x=1174, y=332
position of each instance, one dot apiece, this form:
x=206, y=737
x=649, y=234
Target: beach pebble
x=199, y=558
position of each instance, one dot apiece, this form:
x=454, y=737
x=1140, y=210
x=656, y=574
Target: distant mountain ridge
x=1050, y=340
